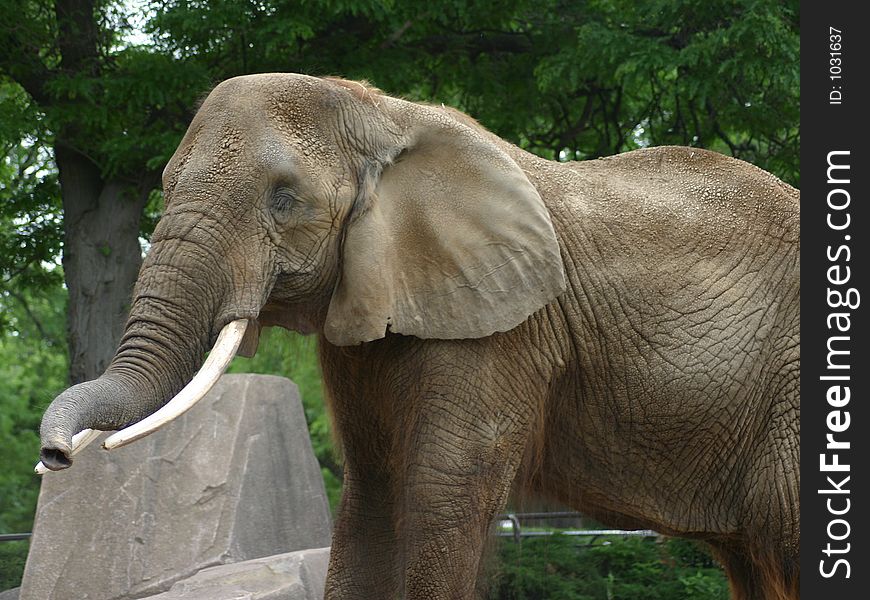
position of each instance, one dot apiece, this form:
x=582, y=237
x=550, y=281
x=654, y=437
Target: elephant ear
x=452, y=242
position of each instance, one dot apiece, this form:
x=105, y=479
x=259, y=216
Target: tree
x=563, y=79
x=84, y=104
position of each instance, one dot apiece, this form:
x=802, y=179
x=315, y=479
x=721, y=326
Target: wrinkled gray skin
x=620, y=335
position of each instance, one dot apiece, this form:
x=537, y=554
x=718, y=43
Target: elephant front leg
x=363, y=560
x=459, y=477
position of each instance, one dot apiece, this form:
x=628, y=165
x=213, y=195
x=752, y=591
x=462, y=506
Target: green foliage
x=33, y=369
x=561, y=568
x=12, y=558
x=131, y=116
x=545, y=568
x=30, y=216
x=564, y=80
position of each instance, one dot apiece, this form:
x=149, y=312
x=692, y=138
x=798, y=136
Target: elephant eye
x=283, y=202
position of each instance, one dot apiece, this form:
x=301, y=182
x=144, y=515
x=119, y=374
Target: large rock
x=293, y=576
x=232, y=480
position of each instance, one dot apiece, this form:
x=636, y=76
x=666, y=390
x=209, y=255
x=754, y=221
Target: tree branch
x=717, y=129
x=476, y=42
x=328, y=462
x=394, y=37
x=32, y=316
x=78, y=38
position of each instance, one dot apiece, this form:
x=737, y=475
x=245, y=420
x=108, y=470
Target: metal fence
x=517, y=532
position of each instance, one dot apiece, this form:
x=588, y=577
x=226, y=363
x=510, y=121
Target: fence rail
x=517, y=532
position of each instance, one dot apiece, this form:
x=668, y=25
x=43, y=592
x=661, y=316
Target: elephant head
x=321, y=206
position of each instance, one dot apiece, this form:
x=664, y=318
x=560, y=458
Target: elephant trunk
x=92, y=404
x=184, y=296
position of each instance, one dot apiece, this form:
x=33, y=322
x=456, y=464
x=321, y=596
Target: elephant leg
x=758, y=575
x=362, y=563
x=460, y=472
x=765, y=565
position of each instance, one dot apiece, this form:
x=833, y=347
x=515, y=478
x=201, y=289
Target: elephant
x=618, y=335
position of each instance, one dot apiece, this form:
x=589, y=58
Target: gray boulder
x=292, y=576
x=233, y=479
x=10, y=594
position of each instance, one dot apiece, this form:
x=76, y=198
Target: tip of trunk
x=55, y=457
x=68, y=422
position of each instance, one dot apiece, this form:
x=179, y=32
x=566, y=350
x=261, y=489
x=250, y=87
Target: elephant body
x=639, y=406
x=619, y=335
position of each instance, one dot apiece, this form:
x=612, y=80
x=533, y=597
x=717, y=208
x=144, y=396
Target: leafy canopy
x=563, y=79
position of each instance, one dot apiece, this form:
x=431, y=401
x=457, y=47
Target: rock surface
x=233, y=479
x=292, y=576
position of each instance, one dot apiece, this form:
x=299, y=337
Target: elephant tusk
x=218, y=359
x=79, y=441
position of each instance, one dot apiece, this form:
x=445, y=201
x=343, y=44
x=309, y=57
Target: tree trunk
x=101, y=254
x=101, y=259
